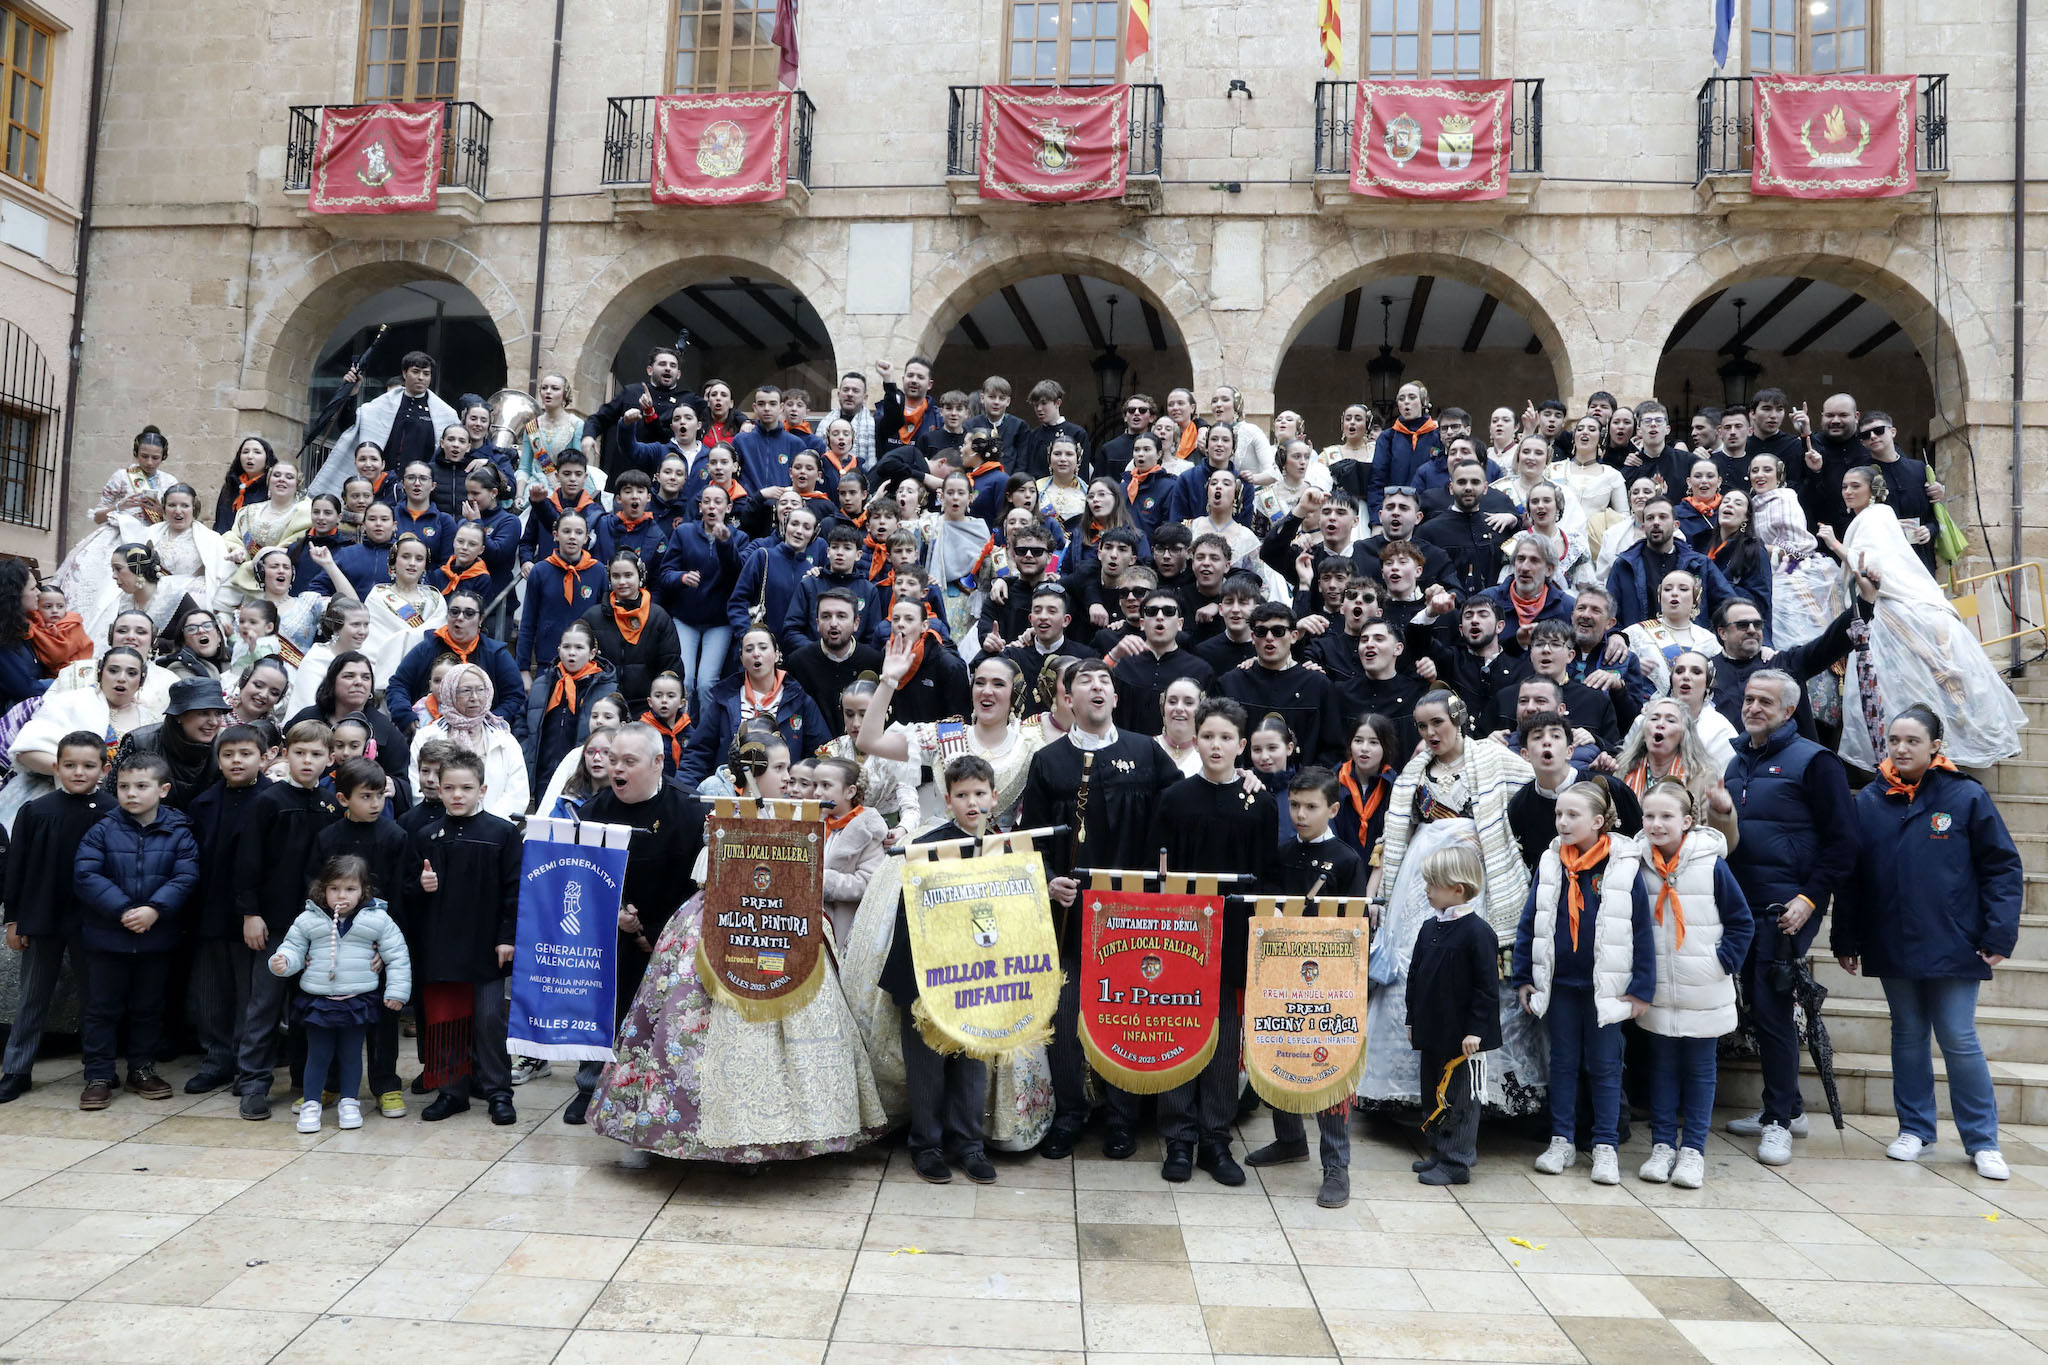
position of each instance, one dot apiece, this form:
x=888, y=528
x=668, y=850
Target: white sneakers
x=350, y=1113
x=1691, y=1171
x=526, y=1069
x=1774, y=1145
x=1991, y=1164
x=1657, y=1170
x=309, y=1117
x=1906, y=1147
x=1559, y=1157
x=1606, y=1166
x=1753, y=1126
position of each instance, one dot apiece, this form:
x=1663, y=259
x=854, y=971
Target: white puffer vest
x=1695, y=998
x=1614, y=934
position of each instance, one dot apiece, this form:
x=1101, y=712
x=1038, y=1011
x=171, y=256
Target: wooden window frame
x=18, y=497
x=722, y=53
x=363, y=30
x=10, y=117
x=1802, y=39
x=1061, y=69
x=1424, y=29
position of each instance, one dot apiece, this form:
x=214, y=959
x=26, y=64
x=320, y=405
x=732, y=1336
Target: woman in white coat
x=110, y=709
x=465, y=695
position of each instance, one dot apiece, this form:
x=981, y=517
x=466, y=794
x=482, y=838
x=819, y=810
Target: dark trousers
x=123, y=986
x=219, y=999
x=947, y=1093
x=42, y=962
x=1770, y=1016
x=1579, y=1043
x=1202, y=1110
x=1333, y=1133
x=1682, y=1074
x=1454, y=1137
x=262, y=1022
x=491, y=1071
x=1069, y=1066
x=339, y=1051
x=382, y=1040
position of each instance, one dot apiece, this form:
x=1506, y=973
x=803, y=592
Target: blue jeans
x=339, y=1049
x=1578, y=1042
x=1681, y=1082
x=1947, y=1008
x=703, y=656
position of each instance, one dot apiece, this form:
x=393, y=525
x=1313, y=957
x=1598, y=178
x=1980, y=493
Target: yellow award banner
x=981, y=941
x=1304, y=1010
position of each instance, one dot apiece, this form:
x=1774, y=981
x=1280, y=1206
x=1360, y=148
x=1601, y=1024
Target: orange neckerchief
x=631, y=622
x=1366, y=807
x=1138, y=481
x=841, y=469
x=984, y=467
x=671, y=732
x=433, y=705
x=581, y=503
x=1665, y=872
x=731, y=488
x=913, y=417
x=55, y=646
x=833, y=824
x=917, y=652
x=1189, y=434
x=1894, y=787
x=457, y=577
x=1577, y=860
x=242, y=493
x=565, y=685
x=758, y=702
x=1639, y=778
x=632, y=523
x=800, y=428
x=1528, y=608
x=1415, y=433
x=461, y=652
x=569, y=572
x=1707, y=508
x=879, y=571
x=376, y=485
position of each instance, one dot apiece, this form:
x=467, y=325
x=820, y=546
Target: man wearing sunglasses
x=464, y=638
x=1914, y=490
x=1113, y=460
x=1147, y=666
x=1006, y=609
x=1740, y=627
x=1274, y=682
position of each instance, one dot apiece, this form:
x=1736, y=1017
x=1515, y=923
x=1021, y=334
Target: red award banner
x=1833, y=137
x=720, y=149
x=1054, y=144
x=377, y=158
x=1445, y=140
x=1151, y=980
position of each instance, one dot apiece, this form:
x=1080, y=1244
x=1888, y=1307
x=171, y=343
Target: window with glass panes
x=1064, y=42
x=19, y=441
x=1419, y=39
x=724, y=45
x=25, y=99
x=410, y=49
x=1812, y=37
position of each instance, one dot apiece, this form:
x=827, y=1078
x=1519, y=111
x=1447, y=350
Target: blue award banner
x=565, y=964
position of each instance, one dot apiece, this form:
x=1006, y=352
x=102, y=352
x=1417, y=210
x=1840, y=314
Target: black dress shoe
x=1278, y=1154
x=1059, y=1140
x=1179, y=1166
x=419, y=1085
x=1119, y=1144
x=1427, y=1163
x=930, y=1165
x=255, y=1107
x=502, y=1112
x=578, y=1108
x=205, y=1083
x=979, y=1168
x=1220, y=1164
x=13, y=1087
x=442, y=1107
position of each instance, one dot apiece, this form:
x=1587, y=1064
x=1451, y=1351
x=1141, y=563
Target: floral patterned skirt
x=694, y=1080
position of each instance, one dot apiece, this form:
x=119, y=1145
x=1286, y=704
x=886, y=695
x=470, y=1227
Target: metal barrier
x=465, y=146
x=629, y=140
x=963, y=129
x=1337, y=110
x=1727, y=134
x=1970, y=608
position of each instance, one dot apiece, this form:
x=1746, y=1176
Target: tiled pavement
x=177, y=1232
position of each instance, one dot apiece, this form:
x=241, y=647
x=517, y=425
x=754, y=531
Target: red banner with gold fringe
x=1055, y=144
x=1833, y=137
x=377, y=158
x=721, y=149
x=1446, y=140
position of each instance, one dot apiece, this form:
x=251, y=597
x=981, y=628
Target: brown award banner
x=763, y=915
x=1304, y=1010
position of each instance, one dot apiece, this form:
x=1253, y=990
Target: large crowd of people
x=1580, y=702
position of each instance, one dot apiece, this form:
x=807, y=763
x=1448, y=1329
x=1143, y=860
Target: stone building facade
x=213, y=294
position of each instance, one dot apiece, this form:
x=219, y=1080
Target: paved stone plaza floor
x=177, y=1232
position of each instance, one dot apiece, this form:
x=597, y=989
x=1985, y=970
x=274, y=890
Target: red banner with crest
x=1833, y=137
x=1446, y=140
x=721, y=149
x=377, y=158
x=1053, y=144
x=1151, y=986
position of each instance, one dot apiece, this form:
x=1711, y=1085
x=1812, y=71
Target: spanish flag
x=1332, y=35
x=1138, y=31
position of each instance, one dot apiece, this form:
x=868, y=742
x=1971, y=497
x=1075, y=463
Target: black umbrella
x=323, y=421
x=1789, y=972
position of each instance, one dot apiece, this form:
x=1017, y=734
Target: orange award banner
x=1447, y=140
x=1151, y=981
x=721, y=149
x=1833, y=137
x=1304, y=1010
x=1053, y=143
x=377, y=158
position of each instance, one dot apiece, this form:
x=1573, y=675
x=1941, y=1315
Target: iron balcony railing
x=465, y=146
x=963, y=129
x=29, y=430
x=1337, y=109
x=1727, y=133
x=629, y=140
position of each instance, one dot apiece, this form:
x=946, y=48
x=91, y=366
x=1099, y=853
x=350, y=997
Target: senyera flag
x=1833, y=137
x=721, y=149
x=1151, y=984
x=1445, y=140
x=377, y=158
x=1054, y=143
x=565, y=962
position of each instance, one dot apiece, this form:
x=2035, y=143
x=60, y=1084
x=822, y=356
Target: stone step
x=2016, y=777
x=2010, y=1033
x=2024, y=815
x=1864, y=1082
x=2033, y=933
x=2019, y=983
